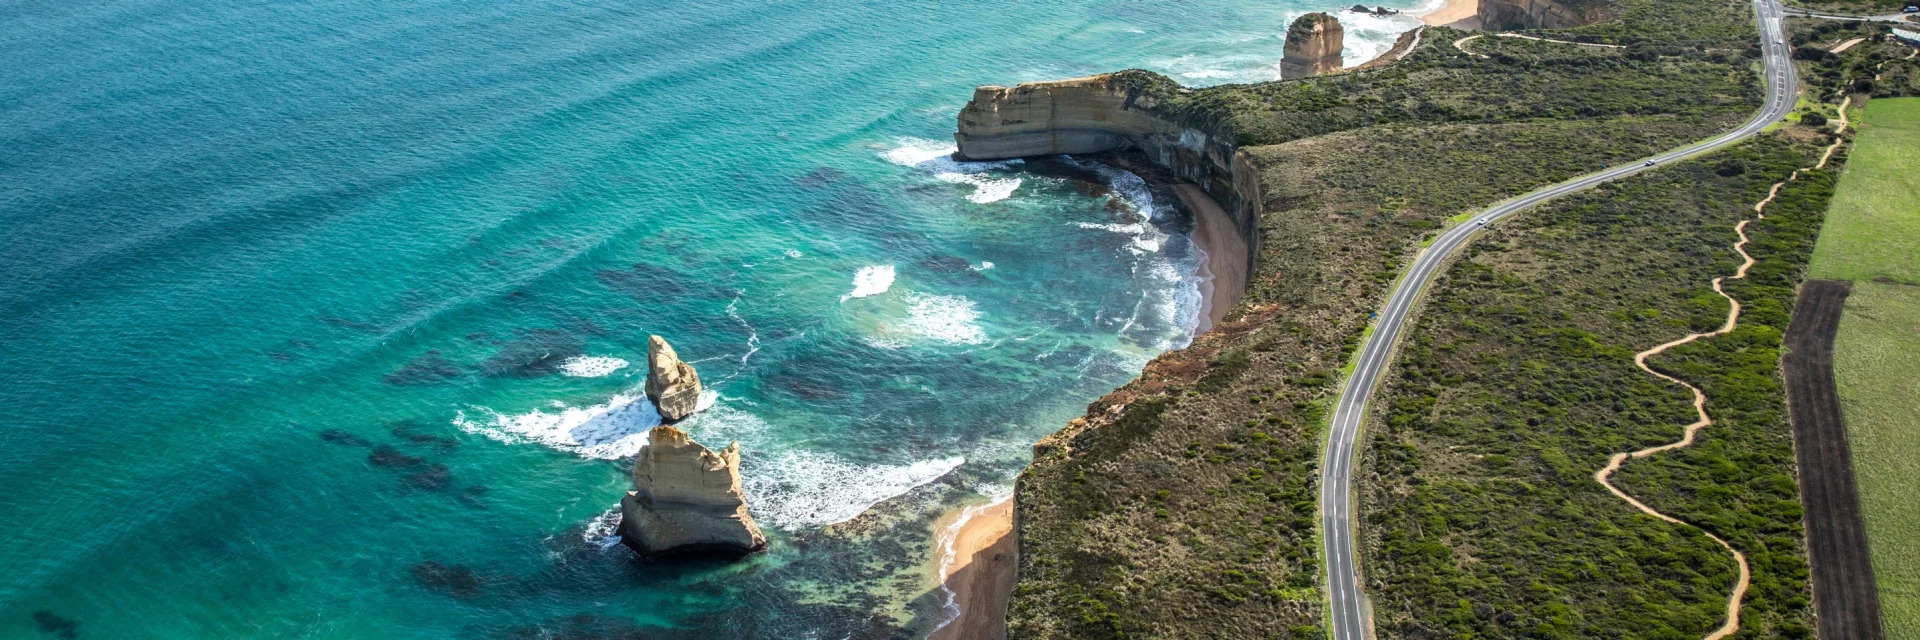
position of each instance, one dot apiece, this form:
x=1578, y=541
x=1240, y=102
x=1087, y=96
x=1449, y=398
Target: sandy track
x=1604, y=475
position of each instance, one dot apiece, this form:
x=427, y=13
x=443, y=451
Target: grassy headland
x=1185, y=503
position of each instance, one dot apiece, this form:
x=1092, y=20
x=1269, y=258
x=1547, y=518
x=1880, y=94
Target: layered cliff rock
x=1313, y=47
x=1499, y=15
x=686, y=501
x=1112, y=112
x=672, y=385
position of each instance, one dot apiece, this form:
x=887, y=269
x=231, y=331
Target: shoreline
x=1223, y=274
x=977, y=570
x=978, y=561
x=1459, y=14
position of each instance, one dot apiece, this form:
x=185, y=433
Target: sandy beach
x=977, y=565
x=1459, y=14
x=1224, y=272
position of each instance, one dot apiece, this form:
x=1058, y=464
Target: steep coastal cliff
x=1112, y=112
x=1313, y=47
x=1500, y=15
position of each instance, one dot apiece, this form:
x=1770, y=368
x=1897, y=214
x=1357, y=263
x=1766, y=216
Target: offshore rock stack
x=1313, y=47
x=686, y=501
x=672, y=385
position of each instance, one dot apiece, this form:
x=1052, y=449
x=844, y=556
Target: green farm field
x=1872, y=237
x=1873, y=230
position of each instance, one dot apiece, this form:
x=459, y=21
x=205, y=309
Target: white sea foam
x=604, y=529
x=937, y=158
x=793, y=254
x=799, y=489
x=871, y=281
x=983, y=266
x=591, y=366
x=949, y=319
x=787, y=489
x=613, y=429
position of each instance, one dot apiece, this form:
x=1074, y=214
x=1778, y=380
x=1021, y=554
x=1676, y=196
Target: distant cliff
x=1313, y=47
x=1112, y=112
x=1497, y=15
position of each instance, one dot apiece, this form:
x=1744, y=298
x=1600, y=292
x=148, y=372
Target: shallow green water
x=313, y=313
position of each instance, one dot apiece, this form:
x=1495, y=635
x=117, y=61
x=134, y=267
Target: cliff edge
x=1500, y=15
x=1120, y=111
x=1313, y=47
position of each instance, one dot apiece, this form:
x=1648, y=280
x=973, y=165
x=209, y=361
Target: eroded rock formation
x=1112, y=112
x=672, y=385
x=1500, y=15
x=686, y=501
x=1313, y=47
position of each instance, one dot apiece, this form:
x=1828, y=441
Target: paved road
x=1890, y=17
x=1348, y=614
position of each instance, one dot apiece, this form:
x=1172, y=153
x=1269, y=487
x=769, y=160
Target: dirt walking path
x=1700, y=398
x=1847, y=45
x=1461, y=44
x=1581, y=44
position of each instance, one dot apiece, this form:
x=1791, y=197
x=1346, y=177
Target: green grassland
x=1873, y=238
x=1874, y=230
x=1877, y=365
x=1480, y=515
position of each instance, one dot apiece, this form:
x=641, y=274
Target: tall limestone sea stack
x=1313, y=47
x=686, y=501
x=672, y=385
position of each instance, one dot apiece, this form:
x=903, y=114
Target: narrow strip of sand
x=1459, y=14
x=977, y=566
x=1223, y=275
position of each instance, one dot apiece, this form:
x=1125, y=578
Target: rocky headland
x=686, y=501
x=1313, y=47
x=1123, y=111
x=672, y=385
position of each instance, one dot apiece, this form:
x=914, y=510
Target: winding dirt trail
x=1461, y=44
x=1700, y=398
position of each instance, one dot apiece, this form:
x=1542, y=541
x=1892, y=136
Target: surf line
x=1700, y=398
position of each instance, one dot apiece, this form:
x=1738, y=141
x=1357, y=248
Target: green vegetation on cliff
x=1517, y=383
x=1193, y=509
x=1183, y=505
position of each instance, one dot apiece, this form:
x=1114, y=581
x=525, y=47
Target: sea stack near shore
x=1313, y=47
x=672, y=385
x=686, y=501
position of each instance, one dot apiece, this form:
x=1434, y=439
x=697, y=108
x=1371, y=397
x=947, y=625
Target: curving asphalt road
x=1348, y=614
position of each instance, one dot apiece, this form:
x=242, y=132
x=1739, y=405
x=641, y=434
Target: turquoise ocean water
x=327, y=318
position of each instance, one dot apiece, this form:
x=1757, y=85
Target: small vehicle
x=1650, y=162
x=1482, y=222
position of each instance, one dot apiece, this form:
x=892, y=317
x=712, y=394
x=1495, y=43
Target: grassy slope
x=1517, y=383
x=1873, y=232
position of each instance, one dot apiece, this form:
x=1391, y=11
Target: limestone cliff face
x=1498, y=15
x=1111, y=112
x=686, y=500
x=672, y=385
x=1313, y=47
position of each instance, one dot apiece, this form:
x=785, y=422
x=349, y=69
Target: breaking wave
x=591, y=366
x=800, y=489
x=937, y=158
x=871, y=281
x=936, y=318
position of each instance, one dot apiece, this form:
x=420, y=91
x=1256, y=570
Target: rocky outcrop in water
x=686, y=501
x=672, y=385
x=1313, y=47
x=1500, y=15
